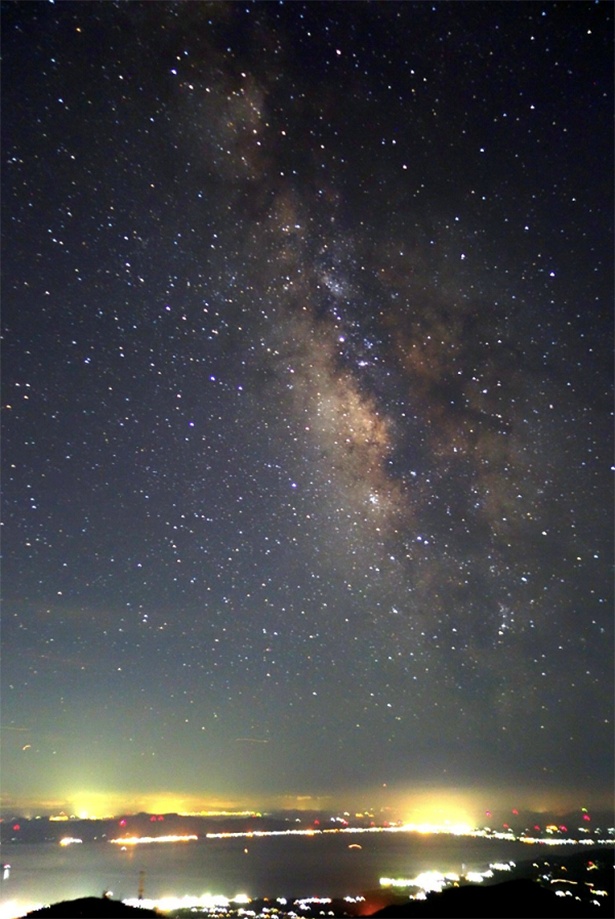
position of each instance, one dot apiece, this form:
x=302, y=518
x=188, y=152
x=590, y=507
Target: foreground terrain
x=553, y=887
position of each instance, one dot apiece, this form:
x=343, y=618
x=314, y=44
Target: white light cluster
x=145, y=840
x=206, y=901
x=427, y=881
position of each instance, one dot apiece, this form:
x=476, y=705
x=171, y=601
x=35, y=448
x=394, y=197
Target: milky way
x=307, y=392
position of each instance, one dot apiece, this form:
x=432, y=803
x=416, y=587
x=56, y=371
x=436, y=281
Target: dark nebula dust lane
x=307, y=395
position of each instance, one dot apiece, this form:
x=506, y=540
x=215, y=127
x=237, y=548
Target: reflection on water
x=260, y=866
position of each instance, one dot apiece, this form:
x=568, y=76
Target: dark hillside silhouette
x=91, y=908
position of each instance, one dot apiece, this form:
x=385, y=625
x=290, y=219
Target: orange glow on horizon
x=440, y=806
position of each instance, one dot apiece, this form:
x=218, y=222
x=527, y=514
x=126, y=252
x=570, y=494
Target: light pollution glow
x=440, y=806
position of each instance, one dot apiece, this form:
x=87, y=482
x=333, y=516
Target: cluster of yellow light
x=69, y=841
x=14, y=909
x=92, y=804
x=144, y=840
x=452, y=829
x=207, y=901
x=439, y=807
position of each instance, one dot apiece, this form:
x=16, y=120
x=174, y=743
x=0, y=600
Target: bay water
x=333, y=865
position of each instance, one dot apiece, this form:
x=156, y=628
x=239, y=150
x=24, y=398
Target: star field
x=307, y=395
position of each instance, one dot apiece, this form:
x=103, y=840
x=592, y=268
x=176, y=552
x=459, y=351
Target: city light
x=415, y=888
x=13, y=909
x=423, y=829
x=145, y=840
x=206, y=902
x=427, y=881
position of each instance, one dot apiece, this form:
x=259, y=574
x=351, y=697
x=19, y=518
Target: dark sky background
x=307, y=391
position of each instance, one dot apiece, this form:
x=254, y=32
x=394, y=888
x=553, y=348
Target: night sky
x=307, y=392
